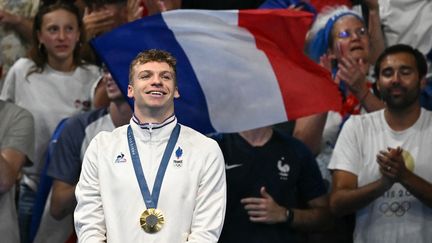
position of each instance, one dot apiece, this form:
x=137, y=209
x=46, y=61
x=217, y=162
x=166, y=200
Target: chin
x=360, y=55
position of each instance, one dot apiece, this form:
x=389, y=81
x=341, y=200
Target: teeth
x=156, y=93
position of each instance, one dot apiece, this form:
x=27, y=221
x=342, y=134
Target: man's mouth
x=157, y=93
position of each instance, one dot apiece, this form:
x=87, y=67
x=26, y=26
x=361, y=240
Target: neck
x=257, y=137
x=61, y=65
x=400, y=120
x=152, y=115
x=120, y=112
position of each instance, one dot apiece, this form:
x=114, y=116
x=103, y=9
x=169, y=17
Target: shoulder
x=197, y=139
x=14, y=112
x=79, y=122
x=426, y=117
x=293, y=144
x=427, y=114
x=368, y=120
x=22, y=66
x=89, y=69
x=87, y=118
x=115, y=136
x=24, y=62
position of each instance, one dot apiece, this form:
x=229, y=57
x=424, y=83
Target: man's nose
x=396, y=78
x=156, y=80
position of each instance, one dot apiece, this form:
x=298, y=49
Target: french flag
x=236, y=69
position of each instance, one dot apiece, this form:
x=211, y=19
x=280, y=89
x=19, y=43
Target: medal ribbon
x=151, y=200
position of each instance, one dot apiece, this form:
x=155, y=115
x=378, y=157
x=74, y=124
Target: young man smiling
x=152, y=180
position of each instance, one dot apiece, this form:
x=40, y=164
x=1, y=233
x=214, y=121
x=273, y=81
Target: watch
x=289, y=216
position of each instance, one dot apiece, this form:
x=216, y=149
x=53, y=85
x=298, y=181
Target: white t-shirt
x=50, y=96
x=396, y=216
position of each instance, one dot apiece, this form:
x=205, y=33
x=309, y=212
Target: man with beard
x=381, y=162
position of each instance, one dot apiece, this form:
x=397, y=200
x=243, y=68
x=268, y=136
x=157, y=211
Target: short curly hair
x=153, y=55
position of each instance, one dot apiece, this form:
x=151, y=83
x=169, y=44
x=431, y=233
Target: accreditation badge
x=152, y=220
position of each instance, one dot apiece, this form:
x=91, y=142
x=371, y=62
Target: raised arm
x=375, y=30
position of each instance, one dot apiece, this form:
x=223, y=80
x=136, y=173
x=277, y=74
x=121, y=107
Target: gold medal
x=152, y=220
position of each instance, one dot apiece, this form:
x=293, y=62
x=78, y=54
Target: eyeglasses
x=360, y=32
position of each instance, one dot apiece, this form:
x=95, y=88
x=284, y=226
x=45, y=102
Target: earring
x=40, y=46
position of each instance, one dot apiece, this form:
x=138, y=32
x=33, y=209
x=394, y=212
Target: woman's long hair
x=38, y=52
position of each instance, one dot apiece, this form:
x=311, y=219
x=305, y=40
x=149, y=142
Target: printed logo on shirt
x=283, y=169
x=120, y=158
x=178, y=162
x=395, y=208
x=232, y=166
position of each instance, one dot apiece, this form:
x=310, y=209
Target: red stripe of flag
x=306, y=87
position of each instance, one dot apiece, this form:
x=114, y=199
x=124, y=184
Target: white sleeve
x=209, y=212
x=347, y=152
x=8, y=90
x=89, y=215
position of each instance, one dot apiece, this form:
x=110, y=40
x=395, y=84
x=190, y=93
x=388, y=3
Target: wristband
x=290, y=216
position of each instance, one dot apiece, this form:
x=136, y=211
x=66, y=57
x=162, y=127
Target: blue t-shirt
x=66, y=161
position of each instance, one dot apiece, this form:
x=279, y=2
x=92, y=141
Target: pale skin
x=153, y=88
x=63, y=200
x=266, y=210
x=346, y=196
x=353, y=54
x=59, y=35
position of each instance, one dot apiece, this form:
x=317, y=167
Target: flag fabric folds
x=236, y=69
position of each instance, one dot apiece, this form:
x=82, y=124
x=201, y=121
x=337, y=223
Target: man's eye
x=144, y=76
x=406, y=71
x=387, y=73
x=166, y=77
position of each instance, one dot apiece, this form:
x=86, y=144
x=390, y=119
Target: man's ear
x=130, y=91
x=423, y=83
x=176, y=93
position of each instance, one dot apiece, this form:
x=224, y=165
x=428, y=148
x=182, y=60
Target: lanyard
x=151, y=200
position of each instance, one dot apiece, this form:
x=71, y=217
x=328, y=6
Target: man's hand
x=97, y=22
x=392, y=164
x=264, y=209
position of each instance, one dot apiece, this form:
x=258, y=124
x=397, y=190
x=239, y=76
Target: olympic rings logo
x=394, y=208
